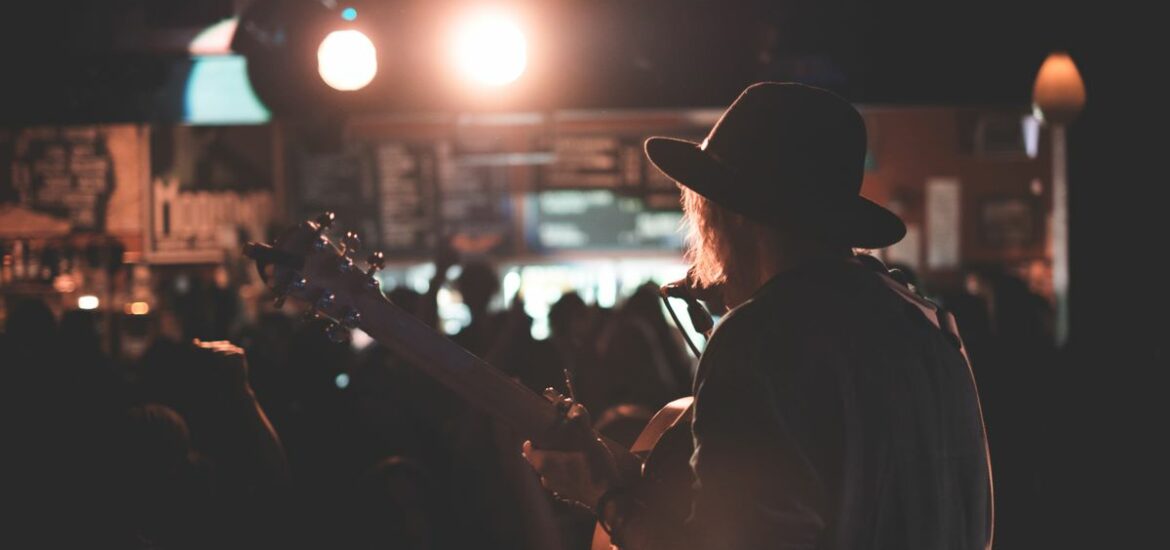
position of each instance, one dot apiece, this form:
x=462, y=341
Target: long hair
x=719, y=244
x=725, y=248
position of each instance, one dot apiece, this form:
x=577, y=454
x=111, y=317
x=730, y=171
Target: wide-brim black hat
x=786, y=155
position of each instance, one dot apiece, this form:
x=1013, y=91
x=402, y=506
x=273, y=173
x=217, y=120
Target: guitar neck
x=473, y=379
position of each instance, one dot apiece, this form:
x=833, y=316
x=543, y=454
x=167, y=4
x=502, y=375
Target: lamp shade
x=1059, y=93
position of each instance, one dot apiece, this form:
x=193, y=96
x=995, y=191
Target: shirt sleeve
x=755, y=485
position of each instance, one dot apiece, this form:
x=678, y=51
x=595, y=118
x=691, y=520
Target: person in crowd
x=570, y=347
x=642, y=359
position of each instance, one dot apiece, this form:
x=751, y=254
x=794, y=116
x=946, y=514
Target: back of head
x=31, y=323
x=569, y=308
x=478, y=283
x=155, y=443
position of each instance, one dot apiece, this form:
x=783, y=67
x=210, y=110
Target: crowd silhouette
x=291, y=440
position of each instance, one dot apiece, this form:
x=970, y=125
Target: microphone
x=700, y=317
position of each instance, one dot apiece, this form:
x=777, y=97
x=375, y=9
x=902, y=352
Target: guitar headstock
x=305, y=264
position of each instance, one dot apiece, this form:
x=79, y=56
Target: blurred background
x=493, y=152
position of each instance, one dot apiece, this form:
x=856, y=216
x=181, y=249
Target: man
x=831, y=410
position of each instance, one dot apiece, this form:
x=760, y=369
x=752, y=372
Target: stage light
x=347, y=60
x=349, y=14
x=341, y=381
x=87, y=302
x=490, y=49
x=138, y=308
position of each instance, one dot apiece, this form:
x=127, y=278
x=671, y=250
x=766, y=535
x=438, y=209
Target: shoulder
x=755, y=339
x=776, y=314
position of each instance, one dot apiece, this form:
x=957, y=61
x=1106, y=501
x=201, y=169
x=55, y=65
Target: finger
x=552, y=395
x=534, y=457
x=577, y=412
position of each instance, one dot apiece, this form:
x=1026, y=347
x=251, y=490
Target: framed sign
x=211, y=189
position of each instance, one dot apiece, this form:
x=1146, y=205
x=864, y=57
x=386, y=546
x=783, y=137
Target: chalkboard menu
x=498, y=186
x=407, y=174
x=476, y=213
x=594, y=162
x=614, y=162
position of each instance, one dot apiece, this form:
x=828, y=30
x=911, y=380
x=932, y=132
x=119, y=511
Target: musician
x=831, y=409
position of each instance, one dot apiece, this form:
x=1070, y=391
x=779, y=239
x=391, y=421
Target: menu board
x=407, y=174
x=475, y=213
x=613, y=162
x=594, y=162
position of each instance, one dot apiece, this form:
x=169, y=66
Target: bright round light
x=87, y=301
x=341, y=381
x=347, y=60
x=491, y=49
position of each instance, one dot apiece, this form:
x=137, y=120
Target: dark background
x=70, y=62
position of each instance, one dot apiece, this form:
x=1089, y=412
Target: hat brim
x=862, y=224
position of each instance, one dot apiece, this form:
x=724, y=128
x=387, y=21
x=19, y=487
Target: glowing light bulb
x=1059, y=92
x=347, y=60
x=490, y=49
x=87, y=301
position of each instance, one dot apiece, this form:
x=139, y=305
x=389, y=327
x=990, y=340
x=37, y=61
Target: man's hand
x=227, y=369
x=586, y=467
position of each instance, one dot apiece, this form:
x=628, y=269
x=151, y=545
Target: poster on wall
x=211, y=189
x=73, y=179
x=943, y=223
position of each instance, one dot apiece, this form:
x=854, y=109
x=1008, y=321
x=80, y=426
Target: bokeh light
x=347, y=60
x=490, y=49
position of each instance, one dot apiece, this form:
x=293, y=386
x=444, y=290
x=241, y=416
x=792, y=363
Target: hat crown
x=797, y=140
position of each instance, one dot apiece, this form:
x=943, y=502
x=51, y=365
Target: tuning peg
x=336, y=333
x=325, y=221
x=376, y=261
x=297, y=285
x=322, y=243
x=350, y=243
x=351, y=319
x=325, y=302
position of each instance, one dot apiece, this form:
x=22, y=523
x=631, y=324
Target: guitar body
x=665, y=444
